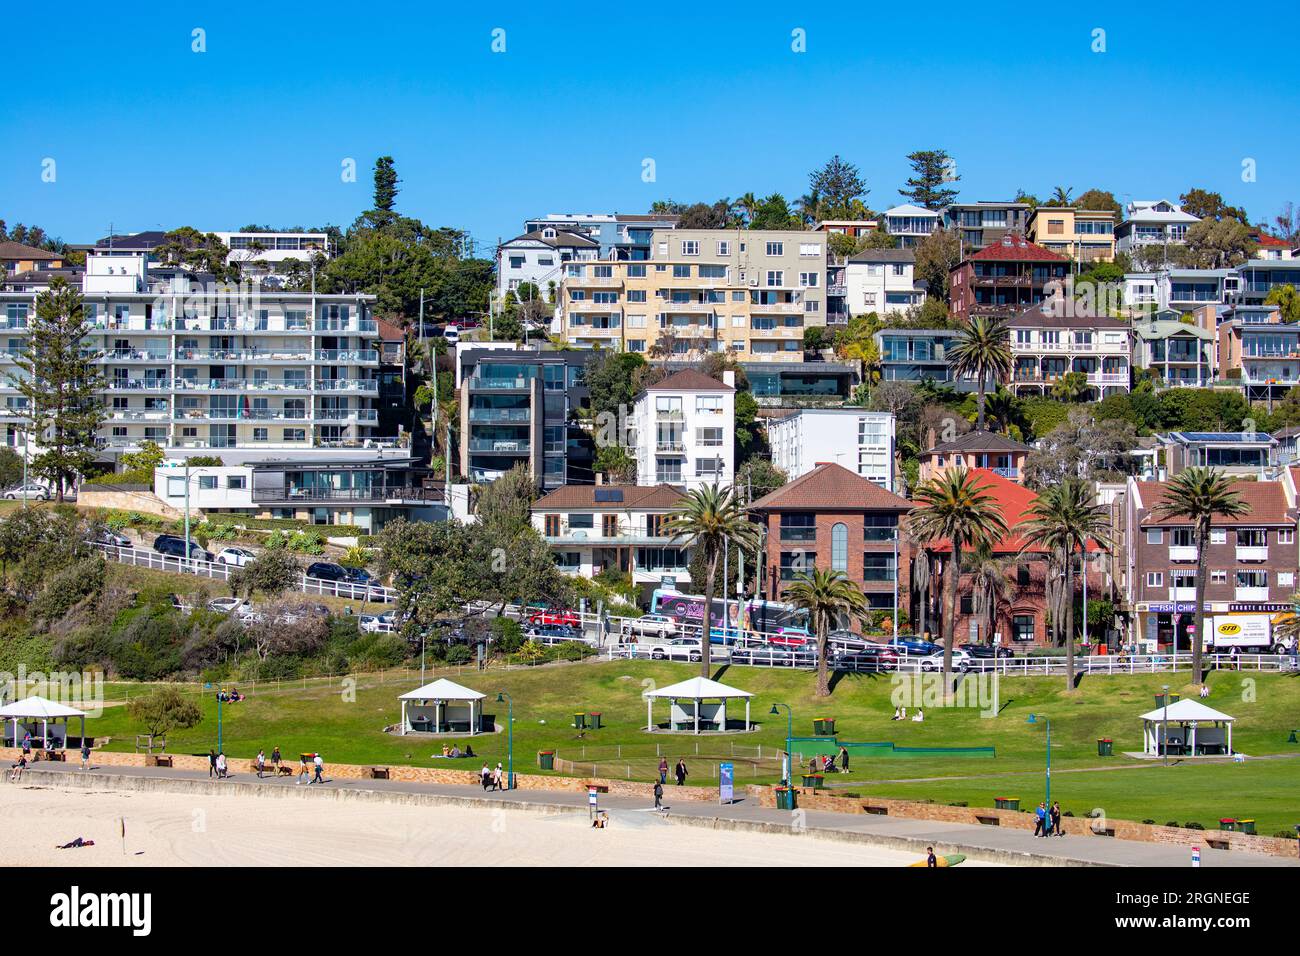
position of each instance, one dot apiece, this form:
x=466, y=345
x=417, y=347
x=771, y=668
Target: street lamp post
x=1033, y=719
x=1164, y=724
x=503, y=697
x=789, y=738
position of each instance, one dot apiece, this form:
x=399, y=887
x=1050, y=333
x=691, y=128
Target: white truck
x=1248, y=633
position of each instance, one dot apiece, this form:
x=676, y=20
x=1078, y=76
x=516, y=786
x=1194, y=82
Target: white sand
x=168, y=829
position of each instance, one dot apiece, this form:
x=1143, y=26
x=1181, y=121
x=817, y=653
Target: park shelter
x=443, y=707
x=1193, y=729
x=696, y=704
x=53, y=718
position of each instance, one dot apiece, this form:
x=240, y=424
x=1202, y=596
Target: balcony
x=1178, y=552
x=782, y=308
x=377, y=493
x=671, y=446
x=139, y=385
x=1251, y=594
x=363, y=416
x=350, y=325
x=134, y=355
x=670, y=415
x=501, y=415
x=364, y=386
x=501, y=446
x=348, y=356
x=1252, y=553
x=242, y=384
x=140, y=415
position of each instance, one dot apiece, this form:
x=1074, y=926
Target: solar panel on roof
x=609, y=494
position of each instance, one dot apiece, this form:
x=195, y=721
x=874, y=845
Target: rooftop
x=978, y=441
x=610, y=497
x=831, y=487
x=1265, y=504
x=16, y=250
x=689, y=380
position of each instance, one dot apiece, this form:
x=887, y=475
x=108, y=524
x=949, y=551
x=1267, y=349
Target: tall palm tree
x=992, y=585
x=921, y=585
x=829, y=597
x=1001, y=409
x=747, y=204
x=1061, y=196
x=707, y=519
x=1062, y=520
x=983, y=349
x=1288, y=628
x=1070, y=387
x=1198, y=494
x=808, y=207
x=955, y=509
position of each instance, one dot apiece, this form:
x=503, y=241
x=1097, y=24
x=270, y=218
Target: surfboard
x=952, y=859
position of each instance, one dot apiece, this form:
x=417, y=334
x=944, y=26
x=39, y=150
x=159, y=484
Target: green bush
x=507, y=634
x=459, y=654
x=285, y=524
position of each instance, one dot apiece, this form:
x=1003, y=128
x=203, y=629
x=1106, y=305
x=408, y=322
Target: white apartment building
x=539, y=257
x=1149, y=222
x=1183, y=290
x=882, y=281
x=910, y=223
x=686, y=431
x=195, y=367
x=270, y=249
x=856, y=439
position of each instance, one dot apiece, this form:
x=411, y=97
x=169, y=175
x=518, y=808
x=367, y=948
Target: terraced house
x=703, y=290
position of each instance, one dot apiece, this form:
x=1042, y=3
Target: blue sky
x=146, y=133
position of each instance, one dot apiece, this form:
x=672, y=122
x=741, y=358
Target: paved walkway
x=997, y=844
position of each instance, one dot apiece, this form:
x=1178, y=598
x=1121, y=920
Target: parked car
x=376, y=624
x=361, y=578
x=111, y=538
x=173, y=546
x=725, y=635
x=554, y=616
x=235, y=557
x=562, y=632
x=846, y=641
x=914, y=647
x=31, y=490
x=225, y=605
x=678, y=649
x=767, y=655
x=871, y=657
x=451, y=333
x=660, y=625
x=327, y=571
x=986, y=652
x=961, y=661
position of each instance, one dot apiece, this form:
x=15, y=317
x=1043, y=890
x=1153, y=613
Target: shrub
x=1192, y=825
x=507, y=634
x=571, y=651
x=459, y=654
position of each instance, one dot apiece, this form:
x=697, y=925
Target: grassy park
x=345, y=724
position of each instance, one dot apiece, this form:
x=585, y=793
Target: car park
x=235, y=557
x=30, y=491
x=172, y=546
x=659, y=625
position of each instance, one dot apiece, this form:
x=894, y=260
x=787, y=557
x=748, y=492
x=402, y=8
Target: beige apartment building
x=1084, y=235
x=702, y=290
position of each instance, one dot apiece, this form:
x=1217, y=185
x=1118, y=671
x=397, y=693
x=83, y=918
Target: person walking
x=844, y=760
x=275, y=761
x=659, y=793
x=212, y=763
x=931, y=861
x=499, y=778
x=221, y=765
x=27, y=744
x=1040, y=820
x=680, y=771
x=320, y=769
x=485, y=776
x=663, y=769
x=1056, y=819
x=302, y=769
x=261, y=763
x=85, y=754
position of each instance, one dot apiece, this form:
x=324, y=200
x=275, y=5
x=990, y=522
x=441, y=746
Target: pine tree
x=931, y=169
x=60, y=382
x=385, y=184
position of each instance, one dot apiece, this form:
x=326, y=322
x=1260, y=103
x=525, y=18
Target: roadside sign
x=1196, y=856
x=726, y=782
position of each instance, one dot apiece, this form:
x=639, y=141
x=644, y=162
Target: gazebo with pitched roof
x=442, y=707
x=695, y=715
x=47, y=712
x=1195, y=728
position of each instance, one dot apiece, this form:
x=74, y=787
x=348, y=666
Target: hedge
x=286, y=524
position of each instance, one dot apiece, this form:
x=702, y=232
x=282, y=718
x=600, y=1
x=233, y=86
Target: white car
x=681, y=649
x=452, y=334
x=660, y=625
x=235, y=557
x=377, y=624
x=110, y=538
x=225, y=605
x=29, y=490
x=961, y=661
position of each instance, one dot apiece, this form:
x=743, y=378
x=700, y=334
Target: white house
x=1152, y=222
x=882, y=281
x=861, y=441
x=686, y=431
x=910, y=223
x=538, y=257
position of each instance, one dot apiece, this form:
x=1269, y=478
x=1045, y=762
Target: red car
x=553, y=618
x=789, y=639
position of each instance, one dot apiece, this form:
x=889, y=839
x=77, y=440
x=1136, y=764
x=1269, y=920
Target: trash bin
x=1006, y=803
x=1160, y=700
x=546, y=759
x=1228, y=823
x=1175, y=698
x=824, y=726
x=813, y=781
x=787, y=798
x=579, y=721
x=594, y=719
x=1105, y=747
x=1246, y=826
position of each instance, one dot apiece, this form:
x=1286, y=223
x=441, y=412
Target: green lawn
x=347, y=728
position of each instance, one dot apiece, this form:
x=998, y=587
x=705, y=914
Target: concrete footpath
x=991, y=844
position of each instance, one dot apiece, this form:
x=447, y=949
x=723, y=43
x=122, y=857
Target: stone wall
x=1024, y=820
x=125, y=498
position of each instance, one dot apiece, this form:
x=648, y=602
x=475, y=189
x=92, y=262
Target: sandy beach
x=167, y=829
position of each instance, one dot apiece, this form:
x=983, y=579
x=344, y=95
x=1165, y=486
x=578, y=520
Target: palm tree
x=953, y=508
x=1198, y=494
x=1288, y=628
x=921, y=585
x=828, y=597
x=1001, y=409
x=1061, y=196
x=1062, y=520
x=707, y=519
x=808, y=208
x=746, y=205
x=983, y=350
x=1070, y=387
x=991, y=584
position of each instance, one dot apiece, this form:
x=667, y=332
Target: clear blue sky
x=146, y=133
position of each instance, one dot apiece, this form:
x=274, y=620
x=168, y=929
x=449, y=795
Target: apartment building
x=910, y=224
x=597, y=528
x=1246, y=454
x=919, y=355
x=980, y=224
x=1251, y=562
x=859, y=440
x=1004, y=278
x=270, y=250
x=1084, y=235
x=1259, y=277
x=1257, y=350
x=517, y=407
x=620, y=236
x=195, y=366
x=686, y=431
x=1046, y=345
x=831, y=518
x=538, y=257
x=703, y=290
x=882, y=281
x=1157, y=222
x=1181, y=290
x=776, y=384
x=16, y=259
x=1182, y=354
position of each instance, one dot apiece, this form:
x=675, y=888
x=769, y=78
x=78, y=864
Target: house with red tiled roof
x=596, y=528
x=1251, y=562
x=830, y=517
x=1004, y=278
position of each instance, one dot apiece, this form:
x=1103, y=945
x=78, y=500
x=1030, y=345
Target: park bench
x=378, y=773
x=158, y=760
x=51, y=755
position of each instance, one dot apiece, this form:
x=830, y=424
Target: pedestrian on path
x=85, y=755
x=1056, y=820
x=1040, y=820
x=221, y=765
x=498, y=778
x=680, y=771
x=844, y=760
x=320, y=769
x=212, y=763
x=931, y=861
x=275, y=761
x=27, y=744
x=663, y=769
x=302, y=770
x=659, y=794
x=261, y=763
x=485, y=776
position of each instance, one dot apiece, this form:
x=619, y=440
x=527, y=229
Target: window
x=236, y=482
x=207, y=482
x=798, y=526
x=636, y=295
x=1155, y=579
x=840, y=547
x=259, y=434
x=681, y=272
x=795, y=563
x=810, y=249
x=776, y=248
x=775, y=277
x=582, y=522
x=609, y=526
x=1218, y=576
x=1286, y=536
x=879, y=527
x=708, y=404
x=295, y=434
x=1022, y=627
x=708, y=437
x=551, y=525
x=1286, y=579
x=1155, y=536
x=708, y=467
x=690, y=247
x=175, y=487
x=877, y=567
x=808, y=280
x=1252, y=579
x=636, y=345
x=1218, y=536
x=724, y=247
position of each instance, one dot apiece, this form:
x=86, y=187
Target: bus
x=732, y=617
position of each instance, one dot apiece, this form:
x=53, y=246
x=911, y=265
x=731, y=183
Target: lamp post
x=503, y=697
x=1033, y=719
x=1164, y=724
x=896, y=542
x=219, y=719
x=789, y=737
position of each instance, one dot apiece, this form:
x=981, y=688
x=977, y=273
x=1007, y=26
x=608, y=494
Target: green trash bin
x=1160, y=700
x=1246, y=826
x=1006, y=803
x=787, y=798
x=579, y=721
x=1105, y=747
x=824, y=726
x=1228, y=823
x=595, y=720
x=813, y=781
x=546, y=759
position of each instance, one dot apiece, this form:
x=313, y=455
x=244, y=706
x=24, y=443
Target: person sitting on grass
x=920, y=716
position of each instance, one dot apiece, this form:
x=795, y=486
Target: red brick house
x=833, y=518
x=1004, y=278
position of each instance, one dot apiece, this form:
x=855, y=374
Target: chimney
x=729, y=377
